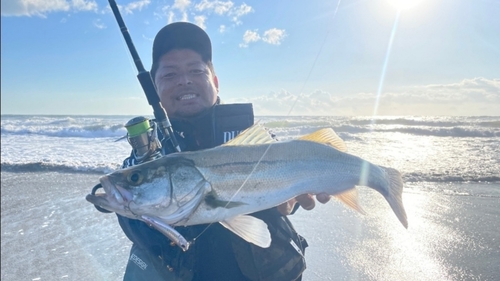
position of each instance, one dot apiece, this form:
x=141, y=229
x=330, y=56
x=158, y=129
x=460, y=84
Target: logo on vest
x=140, y=263
x=230, y=135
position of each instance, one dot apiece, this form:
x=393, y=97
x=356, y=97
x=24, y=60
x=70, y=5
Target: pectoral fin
x=350, y=198
x=250, y=229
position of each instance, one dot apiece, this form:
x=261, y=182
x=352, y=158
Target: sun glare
x=404, y=4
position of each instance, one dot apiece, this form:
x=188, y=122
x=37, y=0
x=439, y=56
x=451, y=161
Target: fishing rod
x=137, y=125
x=142, y=137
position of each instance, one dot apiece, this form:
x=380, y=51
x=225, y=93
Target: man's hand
x=305, y=200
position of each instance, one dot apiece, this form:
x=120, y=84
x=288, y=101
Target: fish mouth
x=98, y=200
x=101, y=202
x=115, y=192
x=114, y=198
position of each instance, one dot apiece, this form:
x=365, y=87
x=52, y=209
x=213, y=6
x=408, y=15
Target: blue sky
x=286, y=57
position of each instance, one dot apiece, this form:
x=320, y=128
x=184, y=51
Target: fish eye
x=135, y=178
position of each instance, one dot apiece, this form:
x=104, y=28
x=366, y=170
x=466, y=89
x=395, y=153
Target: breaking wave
x=425, y=131
x=54, y=167
x=90, y=131
x=449, y=178
x=440, y=127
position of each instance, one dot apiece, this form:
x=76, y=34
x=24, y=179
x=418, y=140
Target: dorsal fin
x=256, y=134
x=326, y=136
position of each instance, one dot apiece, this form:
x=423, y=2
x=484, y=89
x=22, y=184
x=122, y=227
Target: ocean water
x=450, y=168
x=424, y=149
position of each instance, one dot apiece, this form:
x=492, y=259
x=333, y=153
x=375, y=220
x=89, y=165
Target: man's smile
x=187, y=97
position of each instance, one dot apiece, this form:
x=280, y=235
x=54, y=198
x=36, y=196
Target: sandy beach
x=50, y=232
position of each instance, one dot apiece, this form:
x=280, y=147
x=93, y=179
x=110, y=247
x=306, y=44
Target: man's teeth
x=187, y=97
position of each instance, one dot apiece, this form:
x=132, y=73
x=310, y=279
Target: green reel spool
x=137, y=126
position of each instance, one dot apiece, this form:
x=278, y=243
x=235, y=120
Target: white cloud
x=476, y=96
x=200, y=21
x=137, y=5
x=180, y=10
x=222, y=28
x=181, y=5
x=42, y=7
x=83, y=5
x=218, y=7
x=99, y=24
x=274, y=36
x=242, y=10
x=478, y=89
x=171, y=17
x=249, y=37
x=184, y=16
x=33, y=7
x=224, y=8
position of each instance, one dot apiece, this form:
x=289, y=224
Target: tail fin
x=395, y=191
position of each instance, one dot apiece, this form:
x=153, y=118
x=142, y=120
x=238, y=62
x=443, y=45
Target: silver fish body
x=225, y=182
x=254, y=178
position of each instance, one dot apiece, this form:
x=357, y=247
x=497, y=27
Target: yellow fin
x=326, y=136
x=256, y=134
x=350, y=198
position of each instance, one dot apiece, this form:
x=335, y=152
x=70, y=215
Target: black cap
x=182, y=35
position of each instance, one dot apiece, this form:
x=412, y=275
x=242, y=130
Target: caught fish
x=250, y=173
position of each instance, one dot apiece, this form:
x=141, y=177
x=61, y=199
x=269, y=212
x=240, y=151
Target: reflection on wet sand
x=448, y=238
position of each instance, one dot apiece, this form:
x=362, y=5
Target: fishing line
x=239, y=189
x=293, y=105
x=288, y=114
x=315, y=60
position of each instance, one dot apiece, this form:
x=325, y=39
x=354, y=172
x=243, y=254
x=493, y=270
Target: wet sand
x=50, y=232
x=450, y=237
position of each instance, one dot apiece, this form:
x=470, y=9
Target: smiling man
x=185, y=83
x=188, y=89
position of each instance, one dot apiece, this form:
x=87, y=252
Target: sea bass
x=250, y=173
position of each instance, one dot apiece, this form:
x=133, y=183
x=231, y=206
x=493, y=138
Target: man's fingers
x=287, y=207
x=306, y=201
x=323, y=197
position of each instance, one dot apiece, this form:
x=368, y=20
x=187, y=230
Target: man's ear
x=216, y=83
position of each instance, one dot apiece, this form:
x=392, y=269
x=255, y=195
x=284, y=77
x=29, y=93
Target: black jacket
x=218, y=254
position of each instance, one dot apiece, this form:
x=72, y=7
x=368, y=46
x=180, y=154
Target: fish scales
x=248, y=174
x=287, y=169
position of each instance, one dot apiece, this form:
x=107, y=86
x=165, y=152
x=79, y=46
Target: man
x=188, y=89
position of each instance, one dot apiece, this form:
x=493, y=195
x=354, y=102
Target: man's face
x=185, y=84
